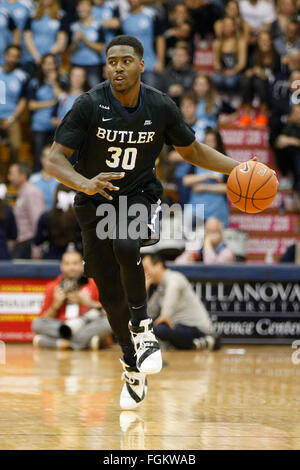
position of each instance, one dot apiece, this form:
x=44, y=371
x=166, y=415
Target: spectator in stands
x=45, y=33
x=179, y=75
x=230, y=57
x=9, y=33
x=291, y=40
x=27, y=210
x=77, y=85
x=15, y=82
x=8, y=227
x=292, y=254
x=232, y=10
x=188, y=107
x=71, y=315
x=286, y=11
x=87, y=42
x=287, y=147
x=19, y=13
x=208, y=187
x=263, y=66
x=259, y=14
x=44, y=182
x=146, y=25
x=180, y=317
x=214, y=250
x=58, y=227
x=204, y=14
x=207, y=102
x=107, y=13
x=179, y=28
x=281, y=108
x=293, y=61
x=43, y=94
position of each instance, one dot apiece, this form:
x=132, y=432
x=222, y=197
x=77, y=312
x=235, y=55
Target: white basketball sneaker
x=135, y=388
x=147, y=349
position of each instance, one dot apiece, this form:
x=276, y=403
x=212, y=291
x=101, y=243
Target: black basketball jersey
x=109, y=138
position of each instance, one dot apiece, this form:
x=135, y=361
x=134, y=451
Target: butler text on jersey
x=128, y=137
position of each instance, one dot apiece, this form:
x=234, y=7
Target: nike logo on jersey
x=103, y=106
x=139, y=262
x=106, y=119
x=147, y=122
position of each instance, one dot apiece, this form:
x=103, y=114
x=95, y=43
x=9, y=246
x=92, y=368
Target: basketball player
x=118, y=129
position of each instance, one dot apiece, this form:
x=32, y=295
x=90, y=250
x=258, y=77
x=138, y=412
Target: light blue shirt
x=47, y=186
x=65, y=103
x=210, y=120
x=215, y=205
x=19, y=13
x=44, y=33
x=5, y=32
x=41, y=118
x=12, y=87
x=84, y=55
x=141, y=26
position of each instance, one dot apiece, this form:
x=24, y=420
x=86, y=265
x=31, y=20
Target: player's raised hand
x=99, y=183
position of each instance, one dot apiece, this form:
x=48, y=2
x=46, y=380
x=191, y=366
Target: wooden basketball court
x=237, y=398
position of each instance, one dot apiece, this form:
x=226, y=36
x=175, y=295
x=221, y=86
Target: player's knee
x=37, y=325
x=126, y=251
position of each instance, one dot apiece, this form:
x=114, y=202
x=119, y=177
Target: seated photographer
x=180, y=318
x=71, y=315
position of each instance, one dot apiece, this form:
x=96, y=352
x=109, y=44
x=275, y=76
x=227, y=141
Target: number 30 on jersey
x=128, y=158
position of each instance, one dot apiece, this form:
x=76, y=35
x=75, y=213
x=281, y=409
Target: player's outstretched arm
x=206, y=157
x=58, y=165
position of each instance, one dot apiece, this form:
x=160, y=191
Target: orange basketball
x=252, y=187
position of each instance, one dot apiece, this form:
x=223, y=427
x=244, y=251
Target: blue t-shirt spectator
x=208, y=119
x=215, y=205
x=15, y=83
x=102, y=13
x=7, y=26
x=19, y=13
x=145, y=26
x=65, y=103
x=41, y=118
x=186, y=168
x=46, y=185
x=44, y=33
x=84, y=55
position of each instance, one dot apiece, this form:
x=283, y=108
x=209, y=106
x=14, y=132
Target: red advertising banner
x=269, y=223
x=275, y=245
x=20, y=302
x=245, y=137
x=265, y=156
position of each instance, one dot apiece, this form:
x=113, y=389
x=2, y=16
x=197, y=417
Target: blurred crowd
x=51, y=51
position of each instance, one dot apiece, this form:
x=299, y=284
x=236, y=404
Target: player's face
x=71, y=265
x=123, y=67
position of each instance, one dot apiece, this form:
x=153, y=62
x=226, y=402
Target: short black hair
x=12, y=46
x=23, y=168
x=156, y=258
x=125, y=40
